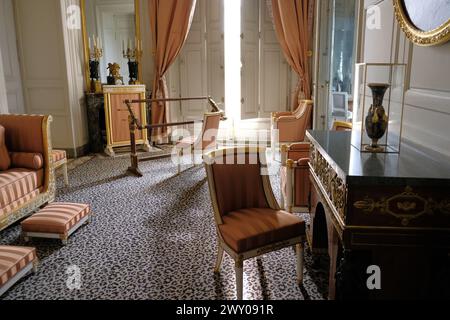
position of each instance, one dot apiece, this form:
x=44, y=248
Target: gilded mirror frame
x=437, y=36
x=87, y=78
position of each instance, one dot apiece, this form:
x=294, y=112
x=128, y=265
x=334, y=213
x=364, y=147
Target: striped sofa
x=15, y=263
x=28, y=182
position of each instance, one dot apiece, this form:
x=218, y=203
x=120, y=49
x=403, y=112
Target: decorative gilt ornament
x=412, y=14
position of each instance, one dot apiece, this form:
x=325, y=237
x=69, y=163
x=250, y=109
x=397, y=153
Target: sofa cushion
x=248, y=229
x=5, y=161
x=33, y=161
x=17, y=204
x=13, y=260
x=17, y=183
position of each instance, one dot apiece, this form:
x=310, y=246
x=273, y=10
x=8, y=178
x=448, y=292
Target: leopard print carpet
x=152, y=238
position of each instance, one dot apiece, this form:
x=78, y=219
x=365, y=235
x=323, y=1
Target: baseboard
x=76, y=153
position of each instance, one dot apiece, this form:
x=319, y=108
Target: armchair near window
x=205, y=142
x=288, y=127
x=294, y=177
x=248, y=219
x=342, y=126
x=294, y=173
x=340, y=106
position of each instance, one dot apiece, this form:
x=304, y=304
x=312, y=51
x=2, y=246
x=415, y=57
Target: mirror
x=425, y=23
x=112, y=43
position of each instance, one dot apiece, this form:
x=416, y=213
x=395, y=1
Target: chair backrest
x=340, y=103
x=238, y=179
x=342, y=126
x=303, y=113
x=208, y=137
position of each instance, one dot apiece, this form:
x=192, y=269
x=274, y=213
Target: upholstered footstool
x=56, y=221
x=15, y=263
x=60, y=160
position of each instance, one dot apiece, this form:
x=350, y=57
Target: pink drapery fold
x=170, y=21
x=293, y=21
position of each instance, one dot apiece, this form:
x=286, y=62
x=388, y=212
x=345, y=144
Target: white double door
x=264, y=75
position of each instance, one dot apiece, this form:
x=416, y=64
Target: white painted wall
x=11, y=69
x=3, y=100
x=51, y=64
x=427, y=101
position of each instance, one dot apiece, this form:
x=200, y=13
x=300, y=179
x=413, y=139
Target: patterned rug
x=152, y=238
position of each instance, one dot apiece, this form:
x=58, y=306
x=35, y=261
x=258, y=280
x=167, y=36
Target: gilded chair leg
x=282, y=202
x=219, y=259
x=66, y=176
x=35, y=266
x=239, y=270
x=300, y=257
x=180, y=154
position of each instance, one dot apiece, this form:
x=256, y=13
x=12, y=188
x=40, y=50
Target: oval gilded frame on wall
x=437, y=36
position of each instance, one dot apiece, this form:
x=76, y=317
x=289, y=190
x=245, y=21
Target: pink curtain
x=170, y=21
x=293, y=21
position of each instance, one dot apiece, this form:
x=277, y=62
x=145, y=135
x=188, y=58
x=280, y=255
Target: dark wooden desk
x=388, y=210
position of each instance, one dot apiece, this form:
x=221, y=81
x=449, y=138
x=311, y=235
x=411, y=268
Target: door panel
x=193, y=67
x=11, y=69
x=250, y=59
x=274, y=69
x=119, y=117
x=215, y=47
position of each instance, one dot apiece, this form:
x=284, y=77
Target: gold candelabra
x=95, y=53
x=132, y=53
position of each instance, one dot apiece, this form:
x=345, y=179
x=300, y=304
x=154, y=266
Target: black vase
x=377, y=119
x=93, y=69
x=133, y=70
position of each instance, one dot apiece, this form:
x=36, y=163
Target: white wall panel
x=11, y=69
x=427, y=98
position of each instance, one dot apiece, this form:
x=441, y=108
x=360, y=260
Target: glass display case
x=378, y=107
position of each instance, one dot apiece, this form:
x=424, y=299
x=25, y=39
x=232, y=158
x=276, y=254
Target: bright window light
x=232, y=11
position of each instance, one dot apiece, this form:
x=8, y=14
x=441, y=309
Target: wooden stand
x=135, y=125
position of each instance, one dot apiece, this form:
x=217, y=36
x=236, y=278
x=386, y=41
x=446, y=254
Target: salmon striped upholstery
x=13, y=260
x=248, y=229
x=58, y=155
x=301, y=180
x=186, y=142
x=18, y=183
x=56, y=218
x=17, y=203
x=207, y=139
x=238, y=186
x=5, y=161
x=33, y=161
